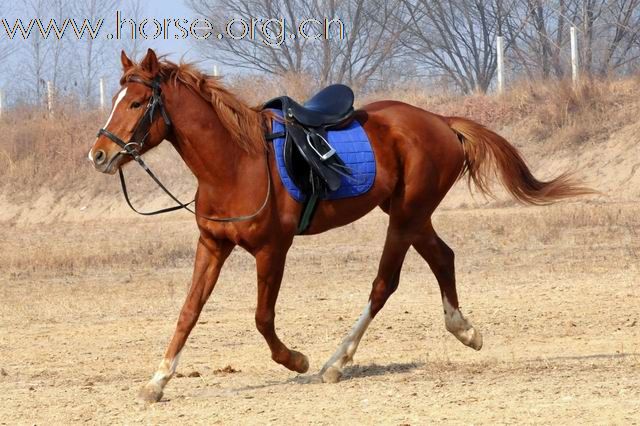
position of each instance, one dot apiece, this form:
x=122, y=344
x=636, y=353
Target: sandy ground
x=86, y=308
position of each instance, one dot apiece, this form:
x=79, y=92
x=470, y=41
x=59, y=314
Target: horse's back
x=413, y=149
x=423, y=143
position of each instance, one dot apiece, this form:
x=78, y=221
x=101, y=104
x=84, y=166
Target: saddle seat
x=330, y=106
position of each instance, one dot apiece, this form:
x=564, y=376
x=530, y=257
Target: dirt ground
x=87, y=306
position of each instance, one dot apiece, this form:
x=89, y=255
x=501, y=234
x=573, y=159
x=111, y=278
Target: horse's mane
x=245, y=124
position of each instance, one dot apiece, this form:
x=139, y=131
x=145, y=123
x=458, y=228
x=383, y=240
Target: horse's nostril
x=99, y=157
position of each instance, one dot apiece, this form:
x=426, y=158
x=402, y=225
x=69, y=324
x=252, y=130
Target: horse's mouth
x=112, y=166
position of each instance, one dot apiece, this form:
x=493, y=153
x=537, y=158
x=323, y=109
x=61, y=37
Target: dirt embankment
x=592, y=131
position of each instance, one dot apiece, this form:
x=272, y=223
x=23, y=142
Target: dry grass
x=73, y=248
x=70, y=249
x=575, y=116
x=257, y=89
x=39, y=152
x=540, y=109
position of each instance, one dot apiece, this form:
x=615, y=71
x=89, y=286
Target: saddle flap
x=353, y=147
x=321, y=166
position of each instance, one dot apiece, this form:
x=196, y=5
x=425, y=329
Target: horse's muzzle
x=102, y=163
x=99, y=158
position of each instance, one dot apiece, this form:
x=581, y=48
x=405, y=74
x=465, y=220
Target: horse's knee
x=264, y=322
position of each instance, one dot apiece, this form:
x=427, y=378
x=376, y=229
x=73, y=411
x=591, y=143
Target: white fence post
x=1, y=102
x=50, y=97
x=215, y=71
x=500, y=63
x=102, y=105
x=574, y=56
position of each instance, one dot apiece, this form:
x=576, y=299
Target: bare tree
x=591, y=12
x=351, y=49
x=131, y=43
x=616, y=39
x=58, y=49
x=91, y=51
x=372, y=40
x=608, y=35
x=252, y=53
x=456, y=38
x=540, y=31
x=35, y=54
x=6, y=49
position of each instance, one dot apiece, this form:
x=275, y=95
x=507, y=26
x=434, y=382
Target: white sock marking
x=121, y=95
x=348, y=347
x=460, y=327
x=166, y=369
x=453, y=319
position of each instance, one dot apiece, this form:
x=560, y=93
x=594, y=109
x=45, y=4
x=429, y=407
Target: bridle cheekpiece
x=137, y=141
x=154, y=104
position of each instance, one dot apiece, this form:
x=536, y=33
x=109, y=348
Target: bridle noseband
x=143, y=128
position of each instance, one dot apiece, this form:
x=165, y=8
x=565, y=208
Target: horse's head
x=138, y=120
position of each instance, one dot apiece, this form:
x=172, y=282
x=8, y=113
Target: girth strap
x=277, y=135
x=307, y=213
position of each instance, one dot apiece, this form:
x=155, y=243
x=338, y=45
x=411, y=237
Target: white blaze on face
x=121, y=95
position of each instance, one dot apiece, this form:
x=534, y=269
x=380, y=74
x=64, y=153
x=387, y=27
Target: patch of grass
x=39, y=152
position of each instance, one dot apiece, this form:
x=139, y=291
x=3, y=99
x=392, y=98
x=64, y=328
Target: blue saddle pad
x=353, y=147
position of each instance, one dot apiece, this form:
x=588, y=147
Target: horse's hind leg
x=396, y=245
x=441, y=261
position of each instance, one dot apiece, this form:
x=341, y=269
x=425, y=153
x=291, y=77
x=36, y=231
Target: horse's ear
x=150, y=63
x=126, y=62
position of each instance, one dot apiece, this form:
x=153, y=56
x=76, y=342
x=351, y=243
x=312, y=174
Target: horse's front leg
x=270, y=267
x=210, y=257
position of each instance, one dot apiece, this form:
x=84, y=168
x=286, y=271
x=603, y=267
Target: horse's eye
x=135, y=105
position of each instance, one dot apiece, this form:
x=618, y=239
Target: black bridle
x=137, y=141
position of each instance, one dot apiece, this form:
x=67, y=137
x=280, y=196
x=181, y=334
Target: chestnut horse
x=419, y=156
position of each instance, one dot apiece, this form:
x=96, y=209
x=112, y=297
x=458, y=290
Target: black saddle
x=330, y=106
x=313, y=164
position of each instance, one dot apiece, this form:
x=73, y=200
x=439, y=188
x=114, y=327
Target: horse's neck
x=221, y=166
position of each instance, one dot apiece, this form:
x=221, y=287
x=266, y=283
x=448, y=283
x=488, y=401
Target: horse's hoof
x=301, y=362
x=471, y=338
x=150, y=393
x=476, y=340
x=332, y=375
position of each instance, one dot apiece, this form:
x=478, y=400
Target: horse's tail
x=488, y=154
